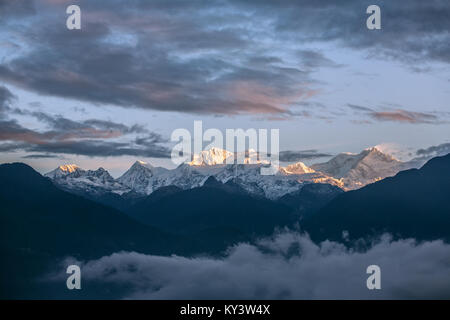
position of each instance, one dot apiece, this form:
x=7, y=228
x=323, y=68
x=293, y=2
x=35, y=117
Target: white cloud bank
x=287, y=266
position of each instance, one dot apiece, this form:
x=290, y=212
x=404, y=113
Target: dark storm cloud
x=295, y=156
x=288, y=266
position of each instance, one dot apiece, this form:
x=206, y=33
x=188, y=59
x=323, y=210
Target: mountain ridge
x=347, y=171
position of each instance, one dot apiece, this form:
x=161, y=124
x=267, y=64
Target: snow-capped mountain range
x=346, y=170
x=72, y=178
x=357, y=170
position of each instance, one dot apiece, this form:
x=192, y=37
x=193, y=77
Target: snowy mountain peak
x=346, y=170
x=297, y=168
x=79, y=181
x=376, y=152
x=217, y=156
x=138, y=169
x=211, y=157
x=73, y=170
x=141, y=176
x=100, y=173
x=357, y=170
x=69, y=168
x=373, y=149
x=140, y=163
x=64, y=170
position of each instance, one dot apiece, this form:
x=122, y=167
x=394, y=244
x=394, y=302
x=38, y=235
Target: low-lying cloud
x=434, y=151
x=287, y=266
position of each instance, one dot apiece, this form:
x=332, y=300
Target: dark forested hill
x=414, y=203
x=214, y=205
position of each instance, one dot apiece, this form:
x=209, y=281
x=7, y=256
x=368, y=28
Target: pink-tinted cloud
x=400, y=115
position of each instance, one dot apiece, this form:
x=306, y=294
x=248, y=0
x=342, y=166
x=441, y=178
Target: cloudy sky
x=113, y=92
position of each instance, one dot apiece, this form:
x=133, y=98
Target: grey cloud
x=6, y=97
x=150, y=75
x=400, y=115
x=16, y=8
x=434, y=151
x=150, y=139
x=184, y=56
x=12, y=130
x=294, y=156
x=265, y=60
x=31, y=141
x=287, y=266
x=315, y=59
x=91, y=137
x=312, y=104
x=415, y=33
x=396, y=115
x=91, y=125
x=359, y=108
x=12, y=147
x=95, y=148
x=40, y=156
x=151, y=72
